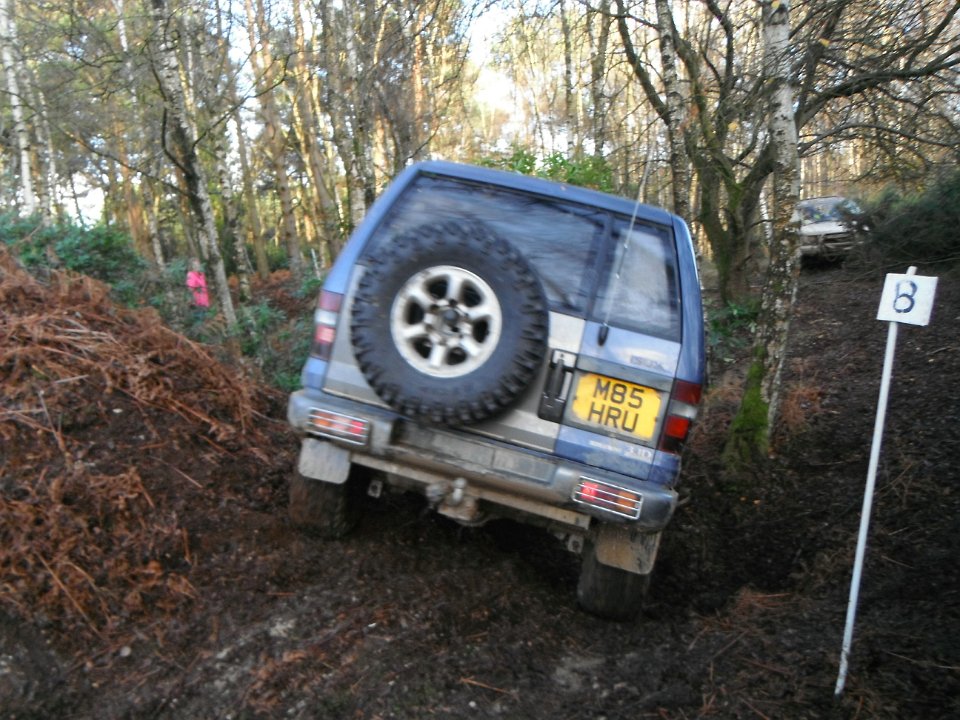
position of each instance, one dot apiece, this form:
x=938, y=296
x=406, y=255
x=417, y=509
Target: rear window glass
x=559, y=240
x=641, y=291
x=591, y=262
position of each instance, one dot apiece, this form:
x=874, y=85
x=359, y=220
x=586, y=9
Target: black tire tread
x=447, y=404
x=322, y=509
x=609, y=592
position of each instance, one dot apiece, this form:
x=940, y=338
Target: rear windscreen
x=591, y=263
x=560, y=241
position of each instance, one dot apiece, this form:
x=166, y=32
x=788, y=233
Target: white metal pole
x=868, y=501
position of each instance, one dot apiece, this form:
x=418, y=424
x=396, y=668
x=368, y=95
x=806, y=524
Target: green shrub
x=284, y=371
x=257, y=321
x=277, y=258
x=101, y=252
x=310, y=286
x=919, y=226
x=583, y=170
x=519, y=160
x=275, y=344
x=730, y=329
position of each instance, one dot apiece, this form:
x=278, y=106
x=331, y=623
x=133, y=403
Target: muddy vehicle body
x=513, y=348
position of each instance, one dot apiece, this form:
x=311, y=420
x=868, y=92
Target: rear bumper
x=473, y=478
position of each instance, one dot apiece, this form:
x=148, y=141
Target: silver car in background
x=829, y=227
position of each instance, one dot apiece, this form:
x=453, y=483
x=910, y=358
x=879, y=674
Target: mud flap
x=626, y=548
x=325, y=461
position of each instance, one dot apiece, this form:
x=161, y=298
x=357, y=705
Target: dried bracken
x=83, y=544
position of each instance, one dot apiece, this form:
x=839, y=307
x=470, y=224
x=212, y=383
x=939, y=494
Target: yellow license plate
x=616, y=405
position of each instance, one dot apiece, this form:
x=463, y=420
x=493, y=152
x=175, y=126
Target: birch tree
x=8, y=47
x=750, y=430
x=599, y=22
x=844, y=57
x=350, y=39
x=182, y=150
x=706, y=95
x=677, y=109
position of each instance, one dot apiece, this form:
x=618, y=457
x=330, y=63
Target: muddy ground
x=148, y=569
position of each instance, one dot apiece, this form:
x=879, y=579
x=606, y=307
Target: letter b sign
x=907, y=299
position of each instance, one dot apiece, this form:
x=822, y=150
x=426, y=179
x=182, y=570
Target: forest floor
x=148, y=570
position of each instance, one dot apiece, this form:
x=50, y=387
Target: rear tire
x=609, y=592
x=323, y=509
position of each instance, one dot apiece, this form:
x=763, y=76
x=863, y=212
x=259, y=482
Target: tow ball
x=455, y=501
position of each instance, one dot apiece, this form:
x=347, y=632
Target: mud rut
x=147, y=568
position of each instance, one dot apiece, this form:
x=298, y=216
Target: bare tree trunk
x=346, y=100
x=151, y=206
x=231, y=221
x=363, y=182
x=676, y=110
x=76, y=200
x=322, y=197
x=195, y=246
x=568, y=89
x=752, y=427
x=671, y=111
x=265, y=69
x=416, y=143
x=184, y=153
x=254, y=225
x=47, y=192
x=132, y=204
x=8, y=42
x=598, y=74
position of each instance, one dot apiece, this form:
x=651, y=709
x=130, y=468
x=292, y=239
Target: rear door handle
x=557, y=386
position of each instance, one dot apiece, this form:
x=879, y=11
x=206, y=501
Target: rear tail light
x=686, y=392
x=338, y=426
x=325, y=324
x=680, y=414
x=612, y=498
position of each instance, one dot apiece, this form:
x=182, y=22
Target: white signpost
x=906, y=299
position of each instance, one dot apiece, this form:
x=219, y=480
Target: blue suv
x=508, y=347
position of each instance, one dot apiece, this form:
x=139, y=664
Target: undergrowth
x=918, y=226
x=265, y=338
x=730, y=329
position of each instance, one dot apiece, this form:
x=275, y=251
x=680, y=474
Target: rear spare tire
x=449, y=323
